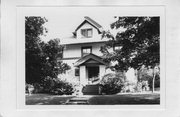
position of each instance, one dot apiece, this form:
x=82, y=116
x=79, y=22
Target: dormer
x=88, y=29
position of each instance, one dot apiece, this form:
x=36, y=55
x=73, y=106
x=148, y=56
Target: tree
x=150, y=75
x=138, y=41
x=156, y=72
x=41, y=57
x=34, y=55
x=53, y=50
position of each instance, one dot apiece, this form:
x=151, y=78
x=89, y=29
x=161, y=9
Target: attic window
x=86, y=33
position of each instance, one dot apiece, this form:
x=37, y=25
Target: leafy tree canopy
x=138, y=42
x=41, y=57
x=34, y=54
x=53, y=51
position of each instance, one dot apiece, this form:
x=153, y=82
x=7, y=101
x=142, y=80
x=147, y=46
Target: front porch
x=91, y=74
x=92, y=68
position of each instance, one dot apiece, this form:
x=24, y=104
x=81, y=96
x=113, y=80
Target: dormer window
x=87, y=33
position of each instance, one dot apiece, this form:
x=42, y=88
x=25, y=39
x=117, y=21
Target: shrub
x=129, y=87
x=48, y=85
x=112, y=83
x=52, y=86
x=26, y=88
x=29, y=88
x=38, y=88
x=62, y=87
x=138, y=87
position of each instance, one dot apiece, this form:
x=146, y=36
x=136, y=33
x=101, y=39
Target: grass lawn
x=125, y=99
x=45, y=99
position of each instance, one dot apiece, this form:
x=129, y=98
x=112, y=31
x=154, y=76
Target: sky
x=63, y=21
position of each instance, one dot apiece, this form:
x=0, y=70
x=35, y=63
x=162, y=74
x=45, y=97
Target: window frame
x=86, y=47
x=119, y=47
x=86, y=33
x=77, y=72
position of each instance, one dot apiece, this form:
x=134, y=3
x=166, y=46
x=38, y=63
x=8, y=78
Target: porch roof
x=88, y=57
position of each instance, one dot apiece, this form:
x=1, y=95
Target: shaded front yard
x=125, y=99
x=45, y=99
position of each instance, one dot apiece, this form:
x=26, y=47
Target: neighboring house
x=82, y=53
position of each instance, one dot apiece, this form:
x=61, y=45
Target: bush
x=53, y=86
x=48, y=85
x=62, y=88
x=112, y=83
x=26, y=88
x=129, y=87
x=29, y=88
x=138, y=87
x=38, y=88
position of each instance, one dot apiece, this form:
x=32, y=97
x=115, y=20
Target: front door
x=93, y=72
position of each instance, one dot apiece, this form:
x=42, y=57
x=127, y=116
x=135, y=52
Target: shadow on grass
x=125, y=99
x=120, y=99
x=45, y=99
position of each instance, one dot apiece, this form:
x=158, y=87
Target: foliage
x=57, y=86
x=129, y=87
x=146, y=74
x=48, y=84
x=63, y=88
x=29, y=88
x=52, y=86
x=53, y=50
x=26, y=88
x=138, y=87
x=156, y=83
x=41, y=57
x=38, y=88
x=33, y=30
x=112, y=83
x=139, y=42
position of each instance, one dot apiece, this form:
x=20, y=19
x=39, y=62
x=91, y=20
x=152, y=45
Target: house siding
x=70, y=74
x=74, y=51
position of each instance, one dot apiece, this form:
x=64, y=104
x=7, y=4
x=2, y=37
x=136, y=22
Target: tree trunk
x=153, y=82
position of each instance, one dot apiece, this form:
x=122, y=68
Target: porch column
x=102, y=70
x=83, y=79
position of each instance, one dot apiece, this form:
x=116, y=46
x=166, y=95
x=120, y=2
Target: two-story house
x=82, y=52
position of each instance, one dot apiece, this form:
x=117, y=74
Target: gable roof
x=90, y=57
x=91, y=22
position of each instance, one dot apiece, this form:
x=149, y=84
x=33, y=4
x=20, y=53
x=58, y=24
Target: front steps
x=78, y=101
x=91, y=90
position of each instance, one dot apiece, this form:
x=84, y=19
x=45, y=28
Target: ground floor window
x=77, y=72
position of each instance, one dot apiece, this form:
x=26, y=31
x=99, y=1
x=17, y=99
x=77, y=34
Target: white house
x=82, y=52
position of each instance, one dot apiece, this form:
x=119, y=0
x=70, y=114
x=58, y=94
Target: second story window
x=86, y=50
x=117, y=47
x=86, y=33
